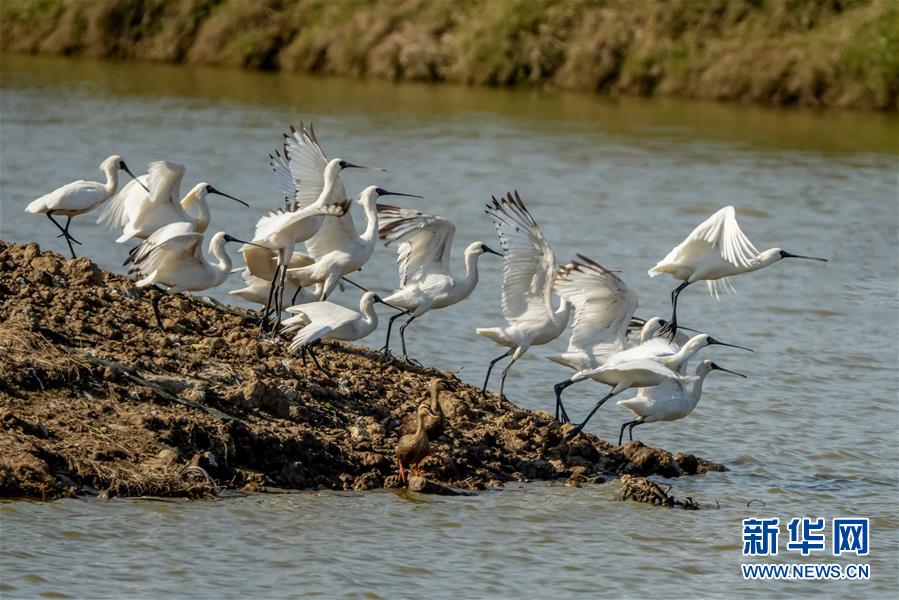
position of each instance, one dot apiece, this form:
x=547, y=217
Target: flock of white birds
x=608, y=343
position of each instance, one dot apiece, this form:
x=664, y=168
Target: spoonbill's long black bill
x=388, y=193
x=352, y=166
x=716, y=342
x=212, y=190
x=231, y=238
x=127, y=170
x=786, y=254
x=717, y=368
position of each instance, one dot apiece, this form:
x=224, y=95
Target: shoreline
x=776, y=53
x=94, y=400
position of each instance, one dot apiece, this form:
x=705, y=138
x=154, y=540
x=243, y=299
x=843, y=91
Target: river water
x=813, y=432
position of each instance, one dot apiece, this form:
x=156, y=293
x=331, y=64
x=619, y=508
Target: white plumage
x=312, y=190
x=173, y=257
x=138, y=213
x=630, y=368
x=79, y=197
x=669, y=400
x=161, y=207
x=256, y=289
x=529, y=271
x=603, y=308
x=716, y=250
x=329, y=321
x=424, y=243
x=338, y=250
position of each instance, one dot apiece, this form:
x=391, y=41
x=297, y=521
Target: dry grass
x=782, y=52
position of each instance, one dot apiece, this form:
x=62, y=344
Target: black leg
x=386, y=348
x=295, y=294
x=64, y=231
x=559, y=407
x=49, y=214
x=280, y=300
x=403, y=335
x=565, y=418
x=502, y=383
x=276, y=299
x=580, y=427
x=155, y=302
x=671, y=326
x=630, y=431
x=490, y=368
x=311, y=347
x=268, y=303
x=68, y=222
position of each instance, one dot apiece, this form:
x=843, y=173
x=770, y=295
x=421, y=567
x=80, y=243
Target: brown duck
x=434, y=425
x=414, y=447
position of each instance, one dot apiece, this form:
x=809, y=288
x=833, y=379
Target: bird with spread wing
x=529, y=272
x=424, y=243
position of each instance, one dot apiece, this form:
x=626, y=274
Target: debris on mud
x=640, y=489
x=94, y=399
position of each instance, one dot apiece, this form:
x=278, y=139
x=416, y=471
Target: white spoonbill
x=314, y=188
x=173, y=257
x=529, y=270
x=318, y=321
x=643, y=372
x=79, y=197
x=668, y=401
x=639, y=331
x=655, y=350
x=139, y=213
x=337, y=249
x=424, y=243
x=603, y=309
x=716, y=250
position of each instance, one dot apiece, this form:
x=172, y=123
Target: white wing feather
x=336, y=233
x=603, y=304
x=528, y=263
x=640, y=364
x=423, y=241
x=174, y=242
x=735, y=247
x=307, y=162
x=283, y=176
x=77, y=195
x=722, y=232
x=316, y=319
x=278, y=220
x=164, y=180
x=124, y=206
x=648, y=398
x=301, y=176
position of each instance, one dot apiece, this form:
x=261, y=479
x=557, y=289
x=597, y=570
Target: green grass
x=803, y=52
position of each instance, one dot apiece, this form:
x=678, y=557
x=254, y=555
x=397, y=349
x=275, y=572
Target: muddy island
x=95, y=400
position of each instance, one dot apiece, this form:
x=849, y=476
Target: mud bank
x=778, y=52
x=95, y=400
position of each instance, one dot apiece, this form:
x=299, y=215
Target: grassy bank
x=841, y=53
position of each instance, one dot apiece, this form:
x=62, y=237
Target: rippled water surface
x=813, y=432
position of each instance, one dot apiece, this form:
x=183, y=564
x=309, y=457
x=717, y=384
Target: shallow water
x=812, y=433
